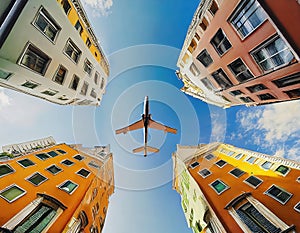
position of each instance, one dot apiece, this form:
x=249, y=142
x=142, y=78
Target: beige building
x=48, y=49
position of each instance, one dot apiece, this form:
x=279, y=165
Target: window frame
x=56, y=73
x=72, y=81
x=60, y=169
x=282, y=190
x=216, y=47
x=263, y=46
x=236, y=12
x=289, y=169
x=62, y=162
x=298, y=210
x=248, y=158
x=84, y=88
x=10, y=167
x=50, y=20
x=36, y=173
x=19, y=162
x=237, y=75
x=9, y=187
x=240, y=174
x=194, y=166
x=209, y=155
x=250, y=184
x=281, y=82
x=219, y=193
x=205, y=53
x=35, y=84
x=82, y=157
x=35, y=49
x=266, y=162
x=63, y=183
x=74, y=48
x=89, y=173
x=36, y=155
x=217, y=73
x=221, y=166
x=8, y=75
x=203, y=175
x=90, y=66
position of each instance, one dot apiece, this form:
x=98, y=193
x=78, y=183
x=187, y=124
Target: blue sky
x=142, y=40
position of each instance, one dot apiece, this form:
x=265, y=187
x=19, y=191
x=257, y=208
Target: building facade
x=242, y=52
x=50, y=187
x=228, y=189
x=48, y=49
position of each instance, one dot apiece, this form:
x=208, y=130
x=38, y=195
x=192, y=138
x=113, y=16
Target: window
x=30, y=84
x=278, y=194
x=237, y=172
x=42, y=156
x=209, y=156
x=204, y=24
x=293, y=93
x=67, y=162
x=240, y=71
x=255, y=220
x=236, y=92
x=204, y=173
x=26, y=163
x=297, y=207
x=197, y=36
x=253, y=181
x=96, y=78
x=36, y=179
x=46, y=24
x=251, y=159
x=272, y=54
x=83, y=172
x=72, y=51
x=194, y=70
x=84, y=88
x=88, y=42
x=84, y=102
x=266, y=96
x=192, y=46
x=246, y=99
x=5, y=169
x=37, y=220
x=54, y=169
x=12, y=193
x=238, y=156
x=288, y=80
x=219, y=186
x=220, y=42
x=207, y=83
x=68, y=186
x=267, y=165
x=256, y=88
x=282, y=169
x=204, y=58
x=222, y=79
x=35, y=59
x=4, y=75
x=88, y=66
x=63, y=98
x=194, y=164
x=102, y=83
x=213, y=8
x=78, y=27
x=93, y=93
x=60, y=75
x=66, y=6
x=74, y=83
x=52, y=153
x=221, y=163
x=61, y=151
x=298, y=179
x=78, y=157
x=50, y=92
x=247, y=17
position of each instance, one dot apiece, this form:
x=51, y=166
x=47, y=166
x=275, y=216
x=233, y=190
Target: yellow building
x=228, y=189
x=49, y=187
x=48, y=49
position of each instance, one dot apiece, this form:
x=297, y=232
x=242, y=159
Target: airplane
x=146, y=122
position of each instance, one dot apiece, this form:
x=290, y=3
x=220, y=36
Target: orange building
x=49, y=187
x=227, y=189
x=242, y=52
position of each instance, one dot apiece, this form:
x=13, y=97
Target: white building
x=49, y=50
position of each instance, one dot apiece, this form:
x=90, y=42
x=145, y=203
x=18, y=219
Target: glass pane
x=4, y=169
x=12, y=193
x=41, y=22
x=37, y=179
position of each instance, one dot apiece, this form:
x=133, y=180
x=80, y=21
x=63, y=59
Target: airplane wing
x=137, y=125
x=155, y=125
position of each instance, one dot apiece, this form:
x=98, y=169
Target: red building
x=242, y=52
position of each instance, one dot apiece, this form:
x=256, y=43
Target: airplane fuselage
x=146, y=117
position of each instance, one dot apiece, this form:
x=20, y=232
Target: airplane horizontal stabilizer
x=145, y=149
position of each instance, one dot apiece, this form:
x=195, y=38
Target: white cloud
x=100, y=7
x=4, y=99
x=275, y=127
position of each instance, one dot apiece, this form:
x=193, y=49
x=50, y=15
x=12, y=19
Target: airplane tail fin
x=145, y=149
